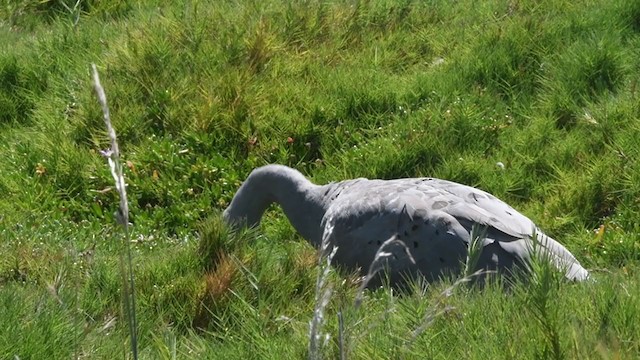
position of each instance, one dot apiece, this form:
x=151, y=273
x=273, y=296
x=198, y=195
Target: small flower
x=106, y=153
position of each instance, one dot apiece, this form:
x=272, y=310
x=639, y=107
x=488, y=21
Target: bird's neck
x=299, y=198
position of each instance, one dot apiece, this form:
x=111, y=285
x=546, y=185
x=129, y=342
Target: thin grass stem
x=122, y=216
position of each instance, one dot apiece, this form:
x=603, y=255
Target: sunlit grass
x=200, y=93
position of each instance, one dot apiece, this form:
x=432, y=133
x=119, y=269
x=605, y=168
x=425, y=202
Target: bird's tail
x=559, y=256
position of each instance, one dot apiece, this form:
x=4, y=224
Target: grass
x=200, y=93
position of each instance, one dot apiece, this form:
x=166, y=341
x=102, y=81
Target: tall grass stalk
x=126, y=266
x=341, y=344
x=378, y=264
x=474, y=250
x=541, y=295
x=323, y=295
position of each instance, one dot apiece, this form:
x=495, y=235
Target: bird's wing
x=470, y=204
x=433, y=218
x=363, y=219
x=515, y=232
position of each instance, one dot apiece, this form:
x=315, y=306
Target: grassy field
x=202, y=92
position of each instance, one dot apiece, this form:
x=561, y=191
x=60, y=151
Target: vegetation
x=534, y=101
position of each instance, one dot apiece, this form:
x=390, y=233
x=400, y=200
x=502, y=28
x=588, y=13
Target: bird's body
x=432, y=217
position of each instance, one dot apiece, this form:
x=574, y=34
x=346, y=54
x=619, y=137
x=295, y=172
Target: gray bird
x=433, y=218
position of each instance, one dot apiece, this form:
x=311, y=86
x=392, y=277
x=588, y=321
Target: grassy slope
x=201, y=93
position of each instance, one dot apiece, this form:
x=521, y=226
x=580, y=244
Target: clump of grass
x=216, y=241
x=544, y=282
x=220, y=253
x=218, y=284
x=439, y=306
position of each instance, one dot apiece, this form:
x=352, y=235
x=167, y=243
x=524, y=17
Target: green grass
x=202, y=92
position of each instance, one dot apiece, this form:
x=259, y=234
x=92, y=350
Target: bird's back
x=433, y=218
